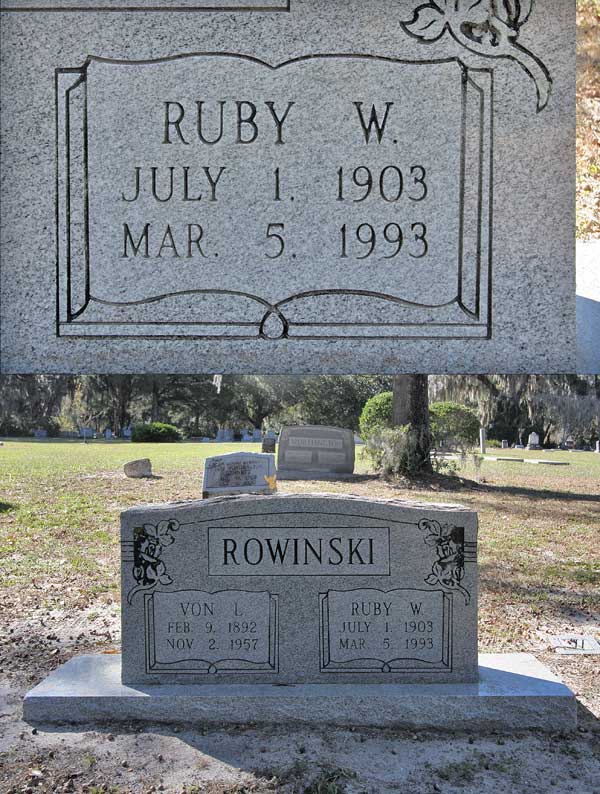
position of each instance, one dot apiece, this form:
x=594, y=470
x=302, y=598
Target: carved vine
x=448, y=570
x=149, y=570
x=486, y=27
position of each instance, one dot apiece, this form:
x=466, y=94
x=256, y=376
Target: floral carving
x=486, y=27
x=149, y=569
x=448, y=570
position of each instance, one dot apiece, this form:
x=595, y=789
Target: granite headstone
x=303, y=609
x=239, y=472
x=307, y=186
x=313, y=451
x=269, y=445
x=292, y=589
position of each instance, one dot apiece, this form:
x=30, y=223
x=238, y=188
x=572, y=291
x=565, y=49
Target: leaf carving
x=428, y=23
x=505, y=10
x=525, y=11
x=513, y=12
